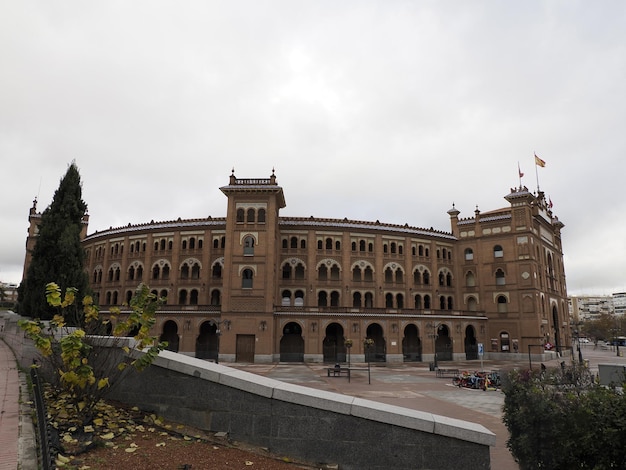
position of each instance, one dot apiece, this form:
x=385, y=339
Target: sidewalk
x=17, y=435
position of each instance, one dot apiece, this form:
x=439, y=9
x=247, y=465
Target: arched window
x=216, y=243
x=261, y=216
x=393, y=247
x=470, y=279
x=449, y=280
x=182, y=297
x=502, y=307
x=184, y=271
x=294, y=242
x=131, y=273
x=248, y=246
x=299, y=271
x=450, y=303
x=139, y=272
x=299, y=298
x=162, y=246
x=472, y=304
x=399, y=301
x=441, y=279
x=427, y=301
x=303, y=244
x=320, y=244
x=334, y=299
x=369, y=300
x=334, y=272
x=285, y=244
x=286, y=271
x=370, y=247
x=322, y=273
x=322, y=299
x=400, y=250
x=156, y=271
x=388, y=275
x=250, y=217
x=361, y=245
x=337, y=245
x=389, y=300
x=442, y=302
x=497, y=251
x=286, y=298
x=356, y=300
x=426, y=278
x=368, y=274
x=353, y=246
x=193, y=297
x=165, y=273
x=469, y=254
x=240, y=215
x=129, y=295
x=356, y=274
x=195, y=271
x=184, y=244
x=216, y=272
x=329, y=243
x=418, y=301
x=500, y=280
x=216, y=297
x=246, y=279
x=192, y=243
x=417, y=277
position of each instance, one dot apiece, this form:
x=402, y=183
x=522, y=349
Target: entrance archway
x=443, y=344
x=292, y=343
x=556, y=323
x=333, y=346
x=170, y=334
x=411, y=344
x=207, y=342
x=471, y=345
x=378, y=352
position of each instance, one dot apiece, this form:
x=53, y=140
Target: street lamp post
x=218, y=333
x=434, y=335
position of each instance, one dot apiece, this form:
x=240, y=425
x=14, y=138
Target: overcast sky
x=388, y=110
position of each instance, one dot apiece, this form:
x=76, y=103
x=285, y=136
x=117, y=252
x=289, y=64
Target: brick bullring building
x=258, y=287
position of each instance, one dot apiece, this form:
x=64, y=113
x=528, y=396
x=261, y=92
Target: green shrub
x=560, y=419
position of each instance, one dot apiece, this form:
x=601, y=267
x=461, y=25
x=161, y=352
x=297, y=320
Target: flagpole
x=536, y=172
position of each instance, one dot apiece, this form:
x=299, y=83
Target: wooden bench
x=448, y=373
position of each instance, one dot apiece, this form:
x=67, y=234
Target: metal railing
x=45, y=433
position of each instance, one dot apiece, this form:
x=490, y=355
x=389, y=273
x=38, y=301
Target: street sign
x=481, y=349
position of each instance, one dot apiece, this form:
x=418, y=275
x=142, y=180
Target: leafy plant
x=561, y=419
x=85, y=362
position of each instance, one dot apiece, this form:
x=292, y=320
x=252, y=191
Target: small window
x=248, y=246
x=261, y=216
x=502, y=307
x=250, y=217
x=240, y=215
x=500, y=279
x=469, y=254
x=497, y=251
x=246, y=279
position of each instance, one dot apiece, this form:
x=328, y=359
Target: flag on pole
x=519, y=170
x=539, y=161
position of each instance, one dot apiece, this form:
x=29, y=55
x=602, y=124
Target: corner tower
x=250, y=266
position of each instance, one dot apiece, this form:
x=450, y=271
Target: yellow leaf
x=103, y=383
x=98, y=421
x=63, y=458
x=161, y=444
x=130, y=449
x=88, y=428
x=108, y=436
x=248, y=463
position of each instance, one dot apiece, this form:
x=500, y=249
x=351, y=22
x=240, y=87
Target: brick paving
x=9, y=409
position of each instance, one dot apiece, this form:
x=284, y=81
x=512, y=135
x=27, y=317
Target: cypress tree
x=58, y=255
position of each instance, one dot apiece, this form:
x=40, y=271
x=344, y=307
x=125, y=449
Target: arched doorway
x=443, y=344
x=170, y=334
x=292, y=343
x=378, y=352
x=333, y=346
x=471, y=345
x=411, y=344
x=208, y=341
x=556, y=323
